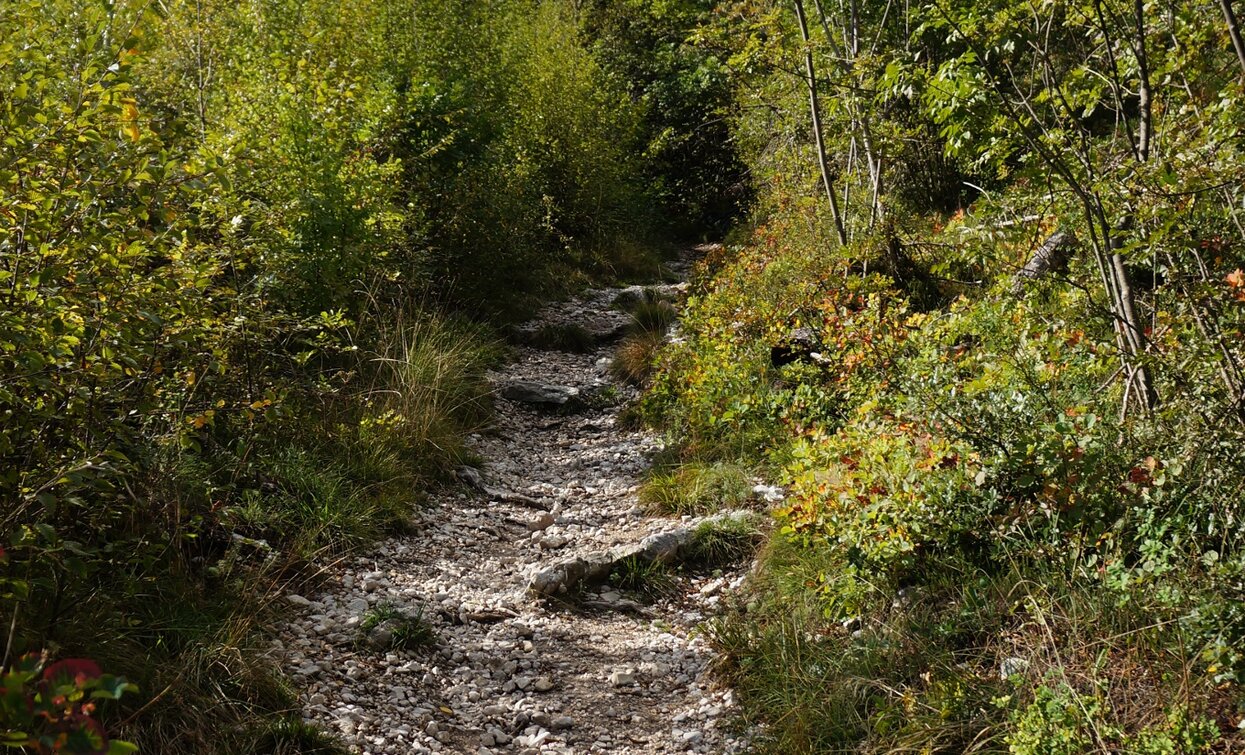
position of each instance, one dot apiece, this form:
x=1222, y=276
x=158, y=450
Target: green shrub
x=51, y=707
x=1057, y=722
x=886, y=493
x=1061, y=722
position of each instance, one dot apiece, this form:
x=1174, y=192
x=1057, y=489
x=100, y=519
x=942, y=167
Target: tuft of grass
x=897, y=685
x=697, y=489
x=429, y=390
x=652, y=316
x=652, y=579
x=602, y=397
x=636, y=358
x=563, y=337
x=724, y=541
x=293, y=736
x=631, y=260
x=205, y=684
x=410, y=631
x=628, y=298
x=308, y=503
x=631, y=417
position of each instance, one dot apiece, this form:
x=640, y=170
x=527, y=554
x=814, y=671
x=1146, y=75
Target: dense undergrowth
x=252, y=260
x=1013, y=456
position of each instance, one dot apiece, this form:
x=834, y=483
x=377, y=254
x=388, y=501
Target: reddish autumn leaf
x=72, y=671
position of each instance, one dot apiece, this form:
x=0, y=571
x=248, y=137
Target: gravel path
x=510, y=672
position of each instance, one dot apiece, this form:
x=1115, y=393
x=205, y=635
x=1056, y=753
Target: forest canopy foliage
x=998, y=247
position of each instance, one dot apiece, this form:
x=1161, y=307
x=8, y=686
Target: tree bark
x=1234, y=31
x=860, y=119
x=1051, y=255
x=1145, y=128
x=815, y=110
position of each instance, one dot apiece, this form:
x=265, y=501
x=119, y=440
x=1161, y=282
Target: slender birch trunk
x=815, y=110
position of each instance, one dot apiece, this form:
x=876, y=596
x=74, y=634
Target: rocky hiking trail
x=529, y=648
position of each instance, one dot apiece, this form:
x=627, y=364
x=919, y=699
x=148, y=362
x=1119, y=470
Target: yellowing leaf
x=129, y=119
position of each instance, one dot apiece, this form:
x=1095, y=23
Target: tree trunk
x=860, y=117
x=1127, y=325
x=815, y=109
x=1145, y=128
x=1234, y=31
x=1052, y=255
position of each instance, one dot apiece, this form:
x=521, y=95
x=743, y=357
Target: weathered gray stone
x=380, y=637
x=664, y=546
x=1012, y=666
x=553, y=579
x=543, y=394
x=544, y=521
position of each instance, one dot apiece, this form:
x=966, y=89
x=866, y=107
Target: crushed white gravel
x=512, y=672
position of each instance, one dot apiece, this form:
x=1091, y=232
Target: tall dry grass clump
x=429, y=390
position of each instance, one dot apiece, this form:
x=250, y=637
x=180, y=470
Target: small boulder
x=380, y=637
x=542, y=684
x=543, y=395
x=1011, y=667
x=542, y=522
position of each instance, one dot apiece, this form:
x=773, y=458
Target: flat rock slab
x=597, y=333
x=661, y=547
x=544, y=395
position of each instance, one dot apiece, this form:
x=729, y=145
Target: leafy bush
x=51, y=707
x=683, y=90
x=886, y=493
x=221, y=229
x=1060, y=721
x=996, y=446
